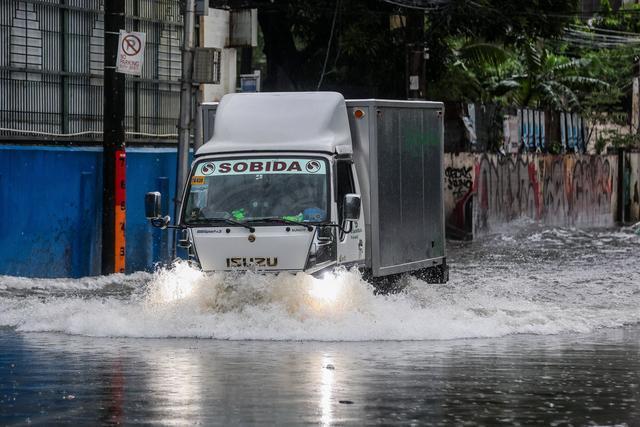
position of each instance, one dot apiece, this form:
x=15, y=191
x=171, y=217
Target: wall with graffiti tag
x=568, y=190
x=459, y=177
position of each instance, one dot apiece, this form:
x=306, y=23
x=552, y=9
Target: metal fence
x=528, y=130
x=534, y=127
x=51, y=69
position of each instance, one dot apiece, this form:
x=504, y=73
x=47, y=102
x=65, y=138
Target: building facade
x=51, y=70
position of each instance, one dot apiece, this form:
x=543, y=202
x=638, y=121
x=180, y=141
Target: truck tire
x=436, y=274
x=391, y=284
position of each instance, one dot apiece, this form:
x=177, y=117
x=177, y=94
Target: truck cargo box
x=398, y=153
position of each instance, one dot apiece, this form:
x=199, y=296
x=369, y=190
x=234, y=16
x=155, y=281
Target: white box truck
x=311, y=182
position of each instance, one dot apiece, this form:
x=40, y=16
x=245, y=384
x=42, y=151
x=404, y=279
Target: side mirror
x=184, y=241
x=152, y=203
x=152, y=210
x=351, y=207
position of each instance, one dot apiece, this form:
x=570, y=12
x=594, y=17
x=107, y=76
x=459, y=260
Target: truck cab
x=275, y=211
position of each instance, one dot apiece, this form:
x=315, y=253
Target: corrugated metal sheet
x=533, y=131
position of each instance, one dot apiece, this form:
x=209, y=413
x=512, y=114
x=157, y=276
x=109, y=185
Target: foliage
x=499, y=22
x=618, y=140
x=625, y=19
x=529, y=75
x=367, y=55
x=498, y=52
x=600, y=145
x=615, y=65
x=363, y=54
x=552, y=81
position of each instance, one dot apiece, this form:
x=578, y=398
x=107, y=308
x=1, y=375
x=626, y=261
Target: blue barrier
x=51, y=207
x=148, y=169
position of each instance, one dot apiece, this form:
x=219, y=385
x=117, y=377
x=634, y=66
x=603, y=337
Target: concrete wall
x=51, y=207
x=485, y=190
x=214, y=32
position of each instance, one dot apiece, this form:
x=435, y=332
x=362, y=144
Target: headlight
x=326, y=289
x=323, y=248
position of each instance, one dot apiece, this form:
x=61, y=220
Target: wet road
x=521, y=379
x=537, y=326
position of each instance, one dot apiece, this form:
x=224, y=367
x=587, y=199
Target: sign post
x=250, y=82
x=113, y=151
x=130, y=53
x=124, y=54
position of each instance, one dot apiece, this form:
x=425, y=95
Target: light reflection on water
x=176, y=381
x=326, y=391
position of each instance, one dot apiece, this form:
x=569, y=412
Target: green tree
x=527, y=75
x=552, y=81
x=366, y=56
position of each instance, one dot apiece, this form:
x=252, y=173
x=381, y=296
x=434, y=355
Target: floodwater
x=537, y=326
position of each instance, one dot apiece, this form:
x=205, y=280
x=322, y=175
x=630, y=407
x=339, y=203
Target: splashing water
x=532, y=280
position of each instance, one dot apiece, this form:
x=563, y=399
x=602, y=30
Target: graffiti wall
x=458, y=193
x=569, y=190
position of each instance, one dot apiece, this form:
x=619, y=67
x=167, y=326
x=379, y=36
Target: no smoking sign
x=130, y=53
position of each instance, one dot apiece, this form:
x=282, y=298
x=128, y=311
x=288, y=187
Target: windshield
x=291, y=189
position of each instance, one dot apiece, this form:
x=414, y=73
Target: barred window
x=169, y=57
x=96, y=44
x=26, y=42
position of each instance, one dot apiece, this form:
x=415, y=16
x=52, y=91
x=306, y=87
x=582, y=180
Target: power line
x=597, y=40
x=604, y=30
x=600, y=36
x=326, y=57
x=432, y=5
x=418, y=4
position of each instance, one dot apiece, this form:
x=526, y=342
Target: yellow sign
x=197, y=180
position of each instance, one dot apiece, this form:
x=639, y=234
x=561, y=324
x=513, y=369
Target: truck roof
x=280, y=121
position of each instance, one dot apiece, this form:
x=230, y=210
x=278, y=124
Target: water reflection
x=577, y=379
x=175, y=387
x=112, y=410
x=326, y=391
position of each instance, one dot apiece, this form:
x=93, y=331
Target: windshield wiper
x=331, y=224
x=282, y=220
x=225, y=220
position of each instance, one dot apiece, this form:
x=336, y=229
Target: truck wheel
x=436, y=274
x=391, y=284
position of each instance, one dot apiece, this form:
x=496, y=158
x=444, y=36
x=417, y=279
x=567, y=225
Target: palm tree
x=529, y=76
x=552, y=81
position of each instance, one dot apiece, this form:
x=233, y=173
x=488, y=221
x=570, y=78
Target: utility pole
x=186, y=101
x=415, y=55
x=246, y=60
x=113, y=151
x=635, y=100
